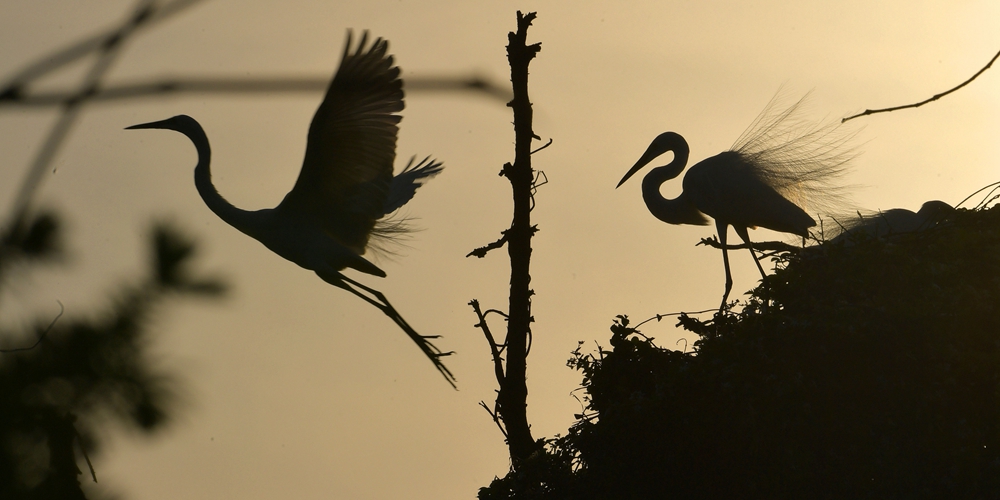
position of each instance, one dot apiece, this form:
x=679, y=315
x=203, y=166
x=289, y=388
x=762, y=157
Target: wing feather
x=405, y=184
x=351, y=146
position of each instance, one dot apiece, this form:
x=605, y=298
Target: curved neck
x=672, y=211
x=236, y=217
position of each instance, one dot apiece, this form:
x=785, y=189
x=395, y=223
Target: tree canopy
x=873, y=372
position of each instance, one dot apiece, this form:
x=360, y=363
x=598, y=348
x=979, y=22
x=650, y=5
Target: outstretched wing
x=347, y=169
x=405, y=184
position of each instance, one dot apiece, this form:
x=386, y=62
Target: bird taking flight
x=762, y=181
x=346, y=194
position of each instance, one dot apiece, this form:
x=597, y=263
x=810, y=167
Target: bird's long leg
x=723, y=228
x=382, y=303
x=742, y=232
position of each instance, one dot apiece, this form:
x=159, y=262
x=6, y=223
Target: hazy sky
x=299, y=390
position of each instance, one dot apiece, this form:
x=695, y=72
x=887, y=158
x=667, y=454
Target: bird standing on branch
x=762, y=181
x=346, y=195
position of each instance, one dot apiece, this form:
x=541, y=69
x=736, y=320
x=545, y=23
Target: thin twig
x=658, y=317
x=494, y=347
x=980, y=190
x=777, y=246
x=482, y=251
x=496, y=312
x=496, y=418
x=41, y=337
x=535, y=184
x=83, y=449
x=921, y=103
x=547, y=144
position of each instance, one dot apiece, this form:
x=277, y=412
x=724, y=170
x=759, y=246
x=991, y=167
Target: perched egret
x=896, y=221
x=344, y=196
x=751, y=184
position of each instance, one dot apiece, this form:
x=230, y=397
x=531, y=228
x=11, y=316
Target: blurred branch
x=150, y=16
x=921, y=103
x=209, y=85
x=109, y=46
x=97, y=367
x=41, y=337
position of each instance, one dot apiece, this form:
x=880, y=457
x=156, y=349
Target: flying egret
x=342, y=202
x=750, y=185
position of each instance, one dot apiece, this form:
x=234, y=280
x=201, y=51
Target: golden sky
x=299, y=390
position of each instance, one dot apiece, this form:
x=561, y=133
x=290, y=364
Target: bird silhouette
x=749, y=186
x=346, y=194
x=895, y=221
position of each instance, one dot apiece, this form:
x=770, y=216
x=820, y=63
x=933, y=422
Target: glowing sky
x=298, y=390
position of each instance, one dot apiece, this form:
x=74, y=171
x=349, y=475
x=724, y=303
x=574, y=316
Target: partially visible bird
x=895, y=221
x=344, y=198
x=750, y=185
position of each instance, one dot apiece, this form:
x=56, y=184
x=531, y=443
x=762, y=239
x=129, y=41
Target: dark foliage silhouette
x=64, y=380
x=874, y=373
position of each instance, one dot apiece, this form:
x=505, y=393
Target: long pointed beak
x=647, y=157
x=162, y=124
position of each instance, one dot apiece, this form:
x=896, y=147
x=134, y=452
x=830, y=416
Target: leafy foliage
x=85, y=373
x=874, y=372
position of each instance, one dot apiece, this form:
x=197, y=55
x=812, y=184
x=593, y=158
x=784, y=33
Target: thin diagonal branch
x=921, y=103
x=494, y=348
x=483, y=250
x=85, y=47
x=110, y=49
x=41, y=337
x=495, y=415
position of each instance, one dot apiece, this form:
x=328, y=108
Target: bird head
x=935, y=210
x=667, y=141
x=180, y=123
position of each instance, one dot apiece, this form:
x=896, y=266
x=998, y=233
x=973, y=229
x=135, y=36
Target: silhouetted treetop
x=874, y=373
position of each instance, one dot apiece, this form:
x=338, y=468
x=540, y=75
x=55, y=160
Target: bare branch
x=482, y=251
x=147, y=15
x=219, y=85
x=494, y=348
x=109, y=47
x=776, y=246
x=495, y=415
x=921, y=103
x=547, y=144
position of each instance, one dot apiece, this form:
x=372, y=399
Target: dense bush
x=874, y=372
x=65, y=381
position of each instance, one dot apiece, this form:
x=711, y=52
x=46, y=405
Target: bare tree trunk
x=514, y=390
x=511, y=403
